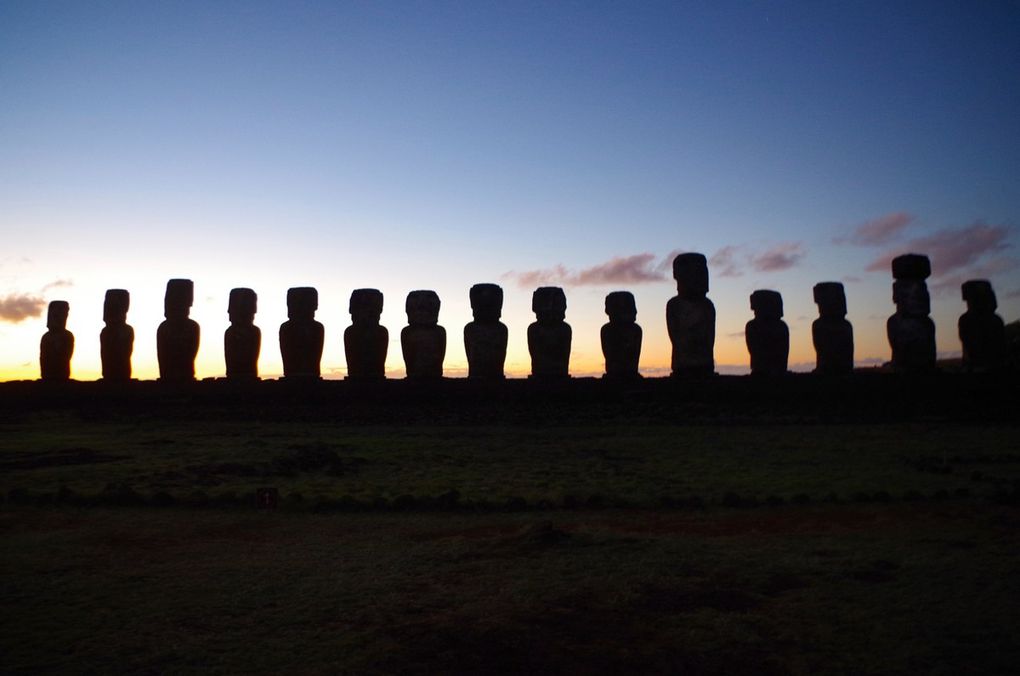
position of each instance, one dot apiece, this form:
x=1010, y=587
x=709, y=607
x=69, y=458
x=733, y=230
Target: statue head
x=366, y=306
x=115, y=306
x=486, y=302
x=831, y=299
x=180, y=294
x=549, y=304
x=302, y=302
x=979, y=295
x=911, y=266
x=56, y=315
x=767, y=304
x=911, y=297
x=690, y=270
x=422, y=308
x=621, y=308
x=242, y=306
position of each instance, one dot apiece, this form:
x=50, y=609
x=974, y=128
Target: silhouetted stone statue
x=423, y=341
x=911, y=331
x=365, y=341
x=768, y=338
x=57, y=344
x=549, y=337
x=831, y=333
x=117, y=339
x=690, y=318
x=621, y=336
x=242, y=341
x=485, y=338
x=301, y=337
x=177, y=337
x=982, y=332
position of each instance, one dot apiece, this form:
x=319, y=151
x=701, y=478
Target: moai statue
x=911, y=331
x=982, y=332
x=365, y=341
x=423, y=341
x=301, y=337
x=485, y=338
x=621, y=336
x=117, y=339
x=549, y=337
x=768, y=338
x=831, y=333
x=57, y=344
x=242, y=341
x=177, y=337
x=690, y=318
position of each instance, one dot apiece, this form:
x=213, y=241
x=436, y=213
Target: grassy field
x=132, y=544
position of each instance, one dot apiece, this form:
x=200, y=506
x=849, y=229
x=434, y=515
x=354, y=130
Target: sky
x=435, y=145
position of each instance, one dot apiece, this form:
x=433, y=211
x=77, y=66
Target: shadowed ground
x=606, y=537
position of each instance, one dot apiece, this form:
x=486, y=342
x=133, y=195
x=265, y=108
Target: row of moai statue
x=690, y=320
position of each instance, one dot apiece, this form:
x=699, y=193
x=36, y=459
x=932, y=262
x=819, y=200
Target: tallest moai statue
x=911, y=331
x=690, y=318
x=177, y=337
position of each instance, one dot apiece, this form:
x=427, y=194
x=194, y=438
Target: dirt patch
x=686, y=600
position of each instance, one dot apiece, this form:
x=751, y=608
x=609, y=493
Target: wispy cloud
x=18, y=307
x=779, y=257
x=724, y=261
x=641, y=268
x=58, y=284
x=953, y=249
x=877, y=231
x=647, y=268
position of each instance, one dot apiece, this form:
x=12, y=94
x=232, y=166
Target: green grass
x=643, y=466
x=910, y=569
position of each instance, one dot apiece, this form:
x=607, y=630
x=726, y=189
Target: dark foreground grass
x=131, y=544
x=852, y=589
x=492, y=465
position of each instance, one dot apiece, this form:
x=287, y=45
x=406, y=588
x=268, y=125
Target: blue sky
x=435, y=145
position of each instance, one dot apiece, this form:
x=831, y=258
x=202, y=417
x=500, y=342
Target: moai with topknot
x=831, y=333
x=485, y=338
x=982, y=332
x=301, y=337
x=621, y=336
x=117, y=339
x=423, y=341
x=549, y=337
x=365, y=341
x=177, y=337
x=690, y=318
x=768, y=338
x=242, y=341
x=57, y=344
x=911, y=331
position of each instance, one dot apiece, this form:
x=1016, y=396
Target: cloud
x=877, y=231
x=58, y=284
x=779, y=257
x=989, y=269
x=641, y=268
x=952, y=249
x=18, y=307
x=723, y=263
x=852, y=279
x=1015, y=293
x=646, y=268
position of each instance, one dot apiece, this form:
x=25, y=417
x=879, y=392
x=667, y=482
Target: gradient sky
x=435, y=145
